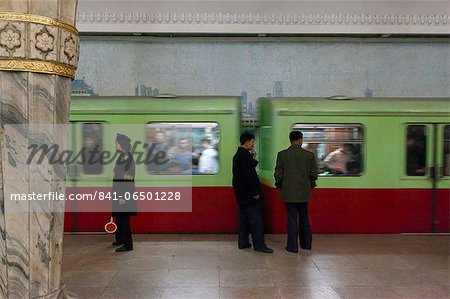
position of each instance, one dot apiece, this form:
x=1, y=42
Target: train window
x=446, y=151
x=416, y=150
x=92, y=148
x=338, y=147
x=176, y=148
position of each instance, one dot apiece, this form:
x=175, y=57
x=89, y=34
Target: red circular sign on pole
x=110, y=227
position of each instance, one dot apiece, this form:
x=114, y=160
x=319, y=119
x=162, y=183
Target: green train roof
x=359, y=106
x=155, y=105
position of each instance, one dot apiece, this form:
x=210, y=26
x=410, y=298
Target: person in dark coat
x=122, y=193
x=247, y=190
x=296, y=175
x=158, y=148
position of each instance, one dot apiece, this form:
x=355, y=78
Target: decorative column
x=38, y=57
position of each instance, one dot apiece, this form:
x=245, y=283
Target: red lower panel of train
x=331, y=211
x=213, y=210
x=366, y=211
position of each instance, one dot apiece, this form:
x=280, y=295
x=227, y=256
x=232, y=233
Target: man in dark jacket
x=247, y=190
x=296, y=175
x=122, y=193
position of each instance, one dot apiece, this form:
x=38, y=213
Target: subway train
x=395, y=178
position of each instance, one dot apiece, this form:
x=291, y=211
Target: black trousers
x=123, y=232
x=298, y=229
x=251, y=222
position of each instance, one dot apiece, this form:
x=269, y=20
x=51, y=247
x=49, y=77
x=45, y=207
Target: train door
x=86, y=137
x=70, y=220
x=265, y=148
x=428, y=160
x=86, y=142
x=443, y=179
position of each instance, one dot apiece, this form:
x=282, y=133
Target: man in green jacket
x=296, y=175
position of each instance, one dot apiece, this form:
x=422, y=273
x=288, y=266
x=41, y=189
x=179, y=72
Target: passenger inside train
x=336, y=162
x=416, y=150
x=92, y=148
x=190, y=148
x=337, y=148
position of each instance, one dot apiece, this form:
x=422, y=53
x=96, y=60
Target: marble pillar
x=38, y=57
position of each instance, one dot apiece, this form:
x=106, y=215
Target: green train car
x=395, y=178
x=384, y=164
x=198, y=134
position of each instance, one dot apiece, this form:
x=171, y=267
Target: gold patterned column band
x=32, y=43
x=36, y=66
x=23, y=17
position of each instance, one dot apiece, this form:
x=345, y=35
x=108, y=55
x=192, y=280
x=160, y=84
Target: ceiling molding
x=264, y=17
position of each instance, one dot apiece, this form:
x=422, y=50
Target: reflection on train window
x=92, y=148
x=177, y=148
x=338, y=148
x=446, y=151
x=416, y=150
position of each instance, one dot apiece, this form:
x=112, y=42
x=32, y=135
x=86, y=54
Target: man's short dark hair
x=295, y=136
x=207, y=141
x=246, y=137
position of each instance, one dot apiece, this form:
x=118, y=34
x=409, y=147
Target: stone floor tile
x=246, y=278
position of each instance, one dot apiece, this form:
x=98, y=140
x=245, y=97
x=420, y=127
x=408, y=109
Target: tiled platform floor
x=211, y=266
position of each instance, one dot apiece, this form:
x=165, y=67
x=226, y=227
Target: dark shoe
x=117, y=243
x=245, y=246
x=291, y=250
x=122, y=249
x=264, y=249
